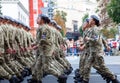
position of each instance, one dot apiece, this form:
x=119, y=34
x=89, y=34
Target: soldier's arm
x=104, y=43
x=93, y=35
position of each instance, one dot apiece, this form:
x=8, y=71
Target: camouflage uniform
x=83, y=57
x=25, y=55
x=6, y=72
x=44, y=64
x=7, y=56
x=95, y=58
x=61, y=41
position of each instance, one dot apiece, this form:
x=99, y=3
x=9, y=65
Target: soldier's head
x=42, y=19
x=5, y=20
x=48, y=20
x=58, y=27
x=94, y=21
x=27, y=28
x=86, y=24
x=53, y=23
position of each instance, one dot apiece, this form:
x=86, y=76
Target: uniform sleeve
x=1, y=42
x=94, y=35
x=38, y=35
x=104, y=42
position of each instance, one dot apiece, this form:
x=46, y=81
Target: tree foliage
x=113, y=9
x=60, y=18
x=83, y=20
x=84, y=17
x=109, y=33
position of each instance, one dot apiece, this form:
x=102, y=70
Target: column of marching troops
x=22, y=55
x=15, y=49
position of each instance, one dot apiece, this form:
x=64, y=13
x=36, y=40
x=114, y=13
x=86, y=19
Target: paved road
x=113, y=62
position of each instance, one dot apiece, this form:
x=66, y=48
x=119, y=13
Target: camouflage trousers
x=44, y=65
x=4, y=73
x=95, y=60
x=83, y=57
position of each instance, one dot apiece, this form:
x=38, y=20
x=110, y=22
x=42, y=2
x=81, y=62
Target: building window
x=18, y=15
x=75, y=25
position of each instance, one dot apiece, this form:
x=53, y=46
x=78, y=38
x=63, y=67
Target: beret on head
x=2, y=17
x=95, y=17
x=87, y=20
x=58, y=27
x=53, y=22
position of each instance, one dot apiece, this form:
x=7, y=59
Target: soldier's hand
x=21, y=49
x=13, y=51
x=108, y=48
x=35, y=47
x=9, y=50
x=87, y=38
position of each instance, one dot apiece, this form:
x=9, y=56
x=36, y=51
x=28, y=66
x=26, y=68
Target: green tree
x=113, y=31
x=109, y=33
x=84, y=17
x=83, y=20
x=113, y=9
x=60, y=18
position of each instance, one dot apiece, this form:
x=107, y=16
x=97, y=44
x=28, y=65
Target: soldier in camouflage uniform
x=94, y=46
x=7, y=63
x=62, y=48
x=6, y=72
x=56, y=57
x=59, y=55
x=84, y=54
x=44, y=61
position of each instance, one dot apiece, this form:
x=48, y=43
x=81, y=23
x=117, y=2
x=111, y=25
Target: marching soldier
x=94, y=46
x=44, y=61
x=84, y=54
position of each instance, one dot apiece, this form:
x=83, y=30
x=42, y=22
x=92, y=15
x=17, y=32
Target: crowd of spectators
x=73, y=47
x=114, y=47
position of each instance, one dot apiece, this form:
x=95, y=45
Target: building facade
x=34, y=9
x=15, y=9
x=75, y=10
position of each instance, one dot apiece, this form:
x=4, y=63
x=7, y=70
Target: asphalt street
x=112, y=62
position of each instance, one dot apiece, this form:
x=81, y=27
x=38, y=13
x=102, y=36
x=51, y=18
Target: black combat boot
x=14, y=80
x=1, y=79
x=104, y=77
x=71, y=68
x=62, y=79
x=29, y=72
x=66, y=72
x=20, y=78
x=24, y=73
x=32, y=81
x=115, y=80
x=76, y=72
x=83, y=81
x=40, y=81
x=45, y=74
x=78, y=79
